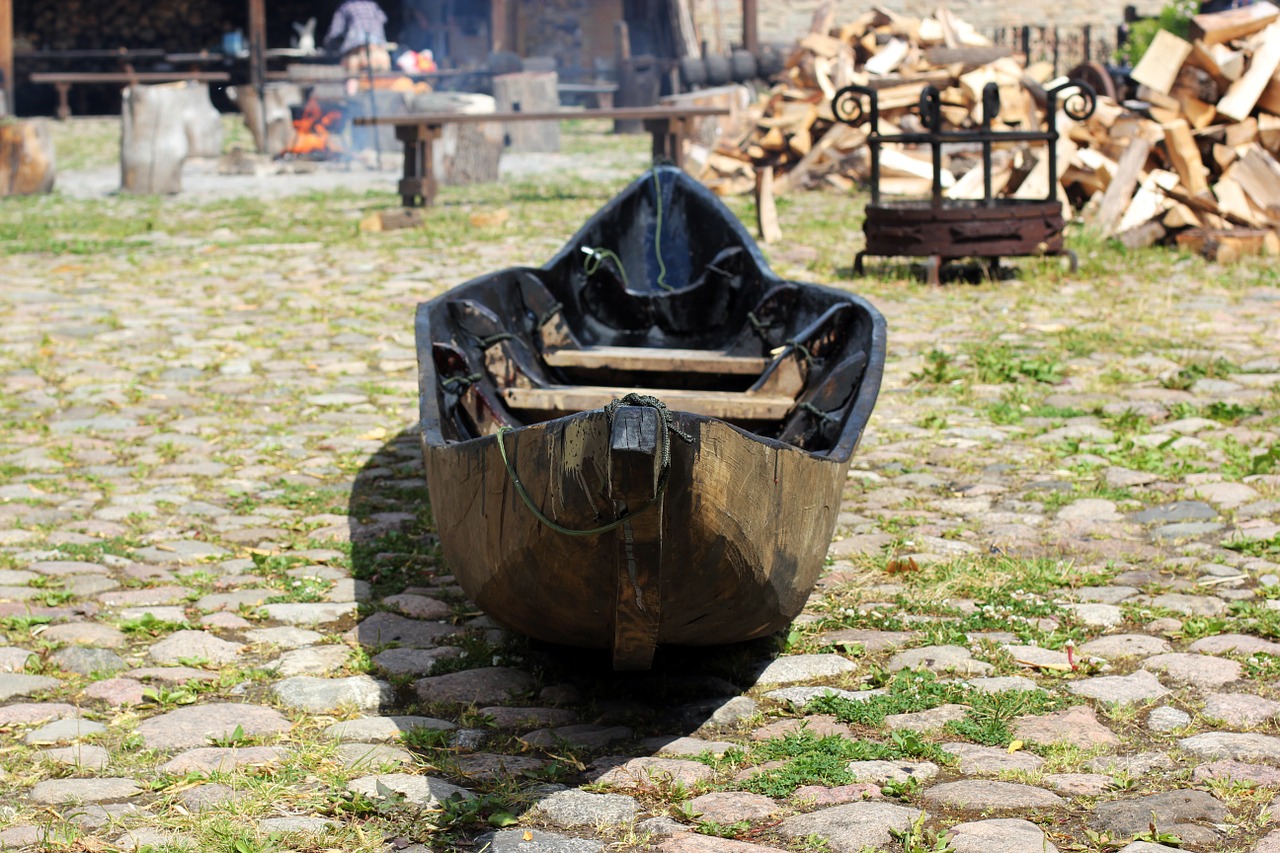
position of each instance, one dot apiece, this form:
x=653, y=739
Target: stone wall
x=783, y=21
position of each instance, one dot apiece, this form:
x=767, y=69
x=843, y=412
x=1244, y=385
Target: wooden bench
x=668, y=125
x=63, y=80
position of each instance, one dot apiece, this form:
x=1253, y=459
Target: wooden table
x=669, y=126
x=64, y=79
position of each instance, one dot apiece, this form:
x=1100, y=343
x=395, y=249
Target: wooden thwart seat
x=559, y=400
x=656, y=360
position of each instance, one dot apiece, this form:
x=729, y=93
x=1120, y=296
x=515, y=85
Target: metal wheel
x=1097, y=76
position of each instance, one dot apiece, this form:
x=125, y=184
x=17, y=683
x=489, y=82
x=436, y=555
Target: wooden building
x=105, y=35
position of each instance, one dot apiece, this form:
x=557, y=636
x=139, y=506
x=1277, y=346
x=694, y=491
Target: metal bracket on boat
x=636, y=442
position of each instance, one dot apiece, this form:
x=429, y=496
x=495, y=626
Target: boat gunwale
x=857, y=412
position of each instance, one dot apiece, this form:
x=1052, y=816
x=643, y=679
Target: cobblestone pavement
x=1047, y=622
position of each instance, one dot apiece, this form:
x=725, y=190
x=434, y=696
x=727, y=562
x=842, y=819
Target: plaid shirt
x=355, y=23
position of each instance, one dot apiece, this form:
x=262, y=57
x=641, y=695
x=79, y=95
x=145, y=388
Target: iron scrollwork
x=848, y=105
x=1079, y=99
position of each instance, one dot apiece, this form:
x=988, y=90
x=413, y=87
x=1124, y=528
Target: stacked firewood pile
x=795, y=135
x=1194, y=162
x=1197, y=166
x=83, y=24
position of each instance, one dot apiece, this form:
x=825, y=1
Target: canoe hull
x=745, y=524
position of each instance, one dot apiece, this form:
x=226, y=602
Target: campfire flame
x=315, y=132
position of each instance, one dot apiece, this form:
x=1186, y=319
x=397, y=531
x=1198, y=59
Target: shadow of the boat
x=578, y=719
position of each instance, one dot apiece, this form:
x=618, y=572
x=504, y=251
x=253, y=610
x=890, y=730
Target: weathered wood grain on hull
x=745, y=527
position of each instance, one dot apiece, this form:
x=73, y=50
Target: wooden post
x=258, y=56
x=626, y=71
x=750, y=26
x=500, y=28
x=6, y=55
x=419, y=184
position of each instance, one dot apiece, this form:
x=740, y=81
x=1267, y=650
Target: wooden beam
x=656, y=360
x=258, y=57
x=6, y=55
x=751, y=26
x=559, y=400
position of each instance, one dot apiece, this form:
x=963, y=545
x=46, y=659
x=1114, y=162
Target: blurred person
x=358, y=35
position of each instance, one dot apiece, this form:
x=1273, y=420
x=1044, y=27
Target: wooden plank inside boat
x=558, y=400
x=656, y=360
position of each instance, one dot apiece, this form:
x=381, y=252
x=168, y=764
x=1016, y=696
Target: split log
x=1241, y=133
x=1184, y=156
x=1159, y=66
x=153, y=142
x=1120, y=190
x=1269, y=132
x=529, y=91
x=1147, y=234
x=1219, y=27
x=1259, y=174
x=1206, y=206
x=766, y=209
x=26, y=158
x=1149, y=202
x=1226, y=247
x=1234, y=202
x=1245, y=92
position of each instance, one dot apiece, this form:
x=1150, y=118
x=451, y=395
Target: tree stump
x=26, y=158
x=153, y=144
x=530, y=92
x=278, y=117
x=465, y=153
x=203, y=122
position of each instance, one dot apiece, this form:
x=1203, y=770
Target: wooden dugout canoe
x=697, y=511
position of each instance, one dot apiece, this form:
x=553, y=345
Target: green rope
x=757, y=325
x=816, y=412
x=550, y=312
x=464, y=380
x=802, y=349
x=596, y=257
x=628, y=400
x=657, y=234
x=485, y=343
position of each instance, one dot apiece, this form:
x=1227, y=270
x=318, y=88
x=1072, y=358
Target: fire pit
x=942, y=229
x=317, y=132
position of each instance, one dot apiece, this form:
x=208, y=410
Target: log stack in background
x=1197, y=166
x=1193, y=162
x=794, y=133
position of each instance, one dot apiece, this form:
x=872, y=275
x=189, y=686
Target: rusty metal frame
x=940, y=229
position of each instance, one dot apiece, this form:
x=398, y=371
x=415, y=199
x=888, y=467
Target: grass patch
x=812, y=759
x=985, y=722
